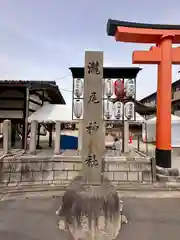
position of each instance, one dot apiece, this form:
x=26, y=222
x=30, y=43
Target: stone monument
x=91, y=208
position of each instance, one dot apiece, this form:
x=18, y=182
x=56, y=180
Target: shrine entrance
x=164, y=56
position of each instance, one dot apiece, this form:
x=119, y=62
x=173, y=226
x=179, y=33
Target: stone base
x=91, y=212
x=23, y=170
x=167, y=174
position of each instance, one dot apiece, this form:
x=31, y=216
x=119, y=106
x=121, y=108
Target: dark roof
x=113, y=24
x=50, y=86
x=147, y=97
x=147, y=110
x=143, y=109
x=140, y=108
x=109, y=72
x=174, y=84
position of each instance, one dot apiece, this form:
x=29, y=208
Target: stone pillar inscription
x=93, y=141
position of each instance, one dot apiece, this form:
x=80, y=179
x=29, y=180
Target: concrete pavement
x=156, y=219
x=35, y=219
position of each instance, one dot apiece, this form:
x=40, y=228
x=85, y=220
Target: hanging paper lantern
x=119, y=88
x=108, y=109
x=130, y=88
x=129, y=110
x=78, y=87
x=118, y=110
x=78, y=108
x=108, y=88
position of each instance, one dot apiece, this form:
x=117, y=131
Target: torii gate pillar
x=164, y=56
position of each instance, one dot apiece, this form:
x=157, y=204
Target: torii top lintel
x=146, y=33
x=141, y=32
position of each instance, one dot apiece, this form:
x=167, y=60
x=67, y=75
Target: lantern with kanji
x=119, y=88
x=130, y=88
x=108, y=109
x=118, y=110
x=78, y=108
x=78, y=87
x=129, y=110
x=108, y=88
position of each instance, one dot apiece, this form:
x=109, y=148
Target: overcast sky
x=41, y=39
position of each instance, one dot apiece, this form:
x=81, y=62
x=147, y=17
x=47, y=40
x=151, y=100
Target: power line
x=66, y=90
x=63, y=89
x=3, y=74
x=59, y=78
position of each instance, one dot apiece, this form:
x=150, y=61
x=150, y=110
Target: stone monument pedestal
x=91, y=212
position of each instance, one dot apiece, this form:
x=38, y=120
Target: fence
x=146, y=148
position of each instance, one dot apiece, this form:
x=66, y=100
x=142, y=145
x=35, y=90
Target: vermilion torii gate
x=162, y=54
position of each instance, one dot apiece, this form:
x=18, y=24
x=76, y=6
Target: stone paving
x=35, y=219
